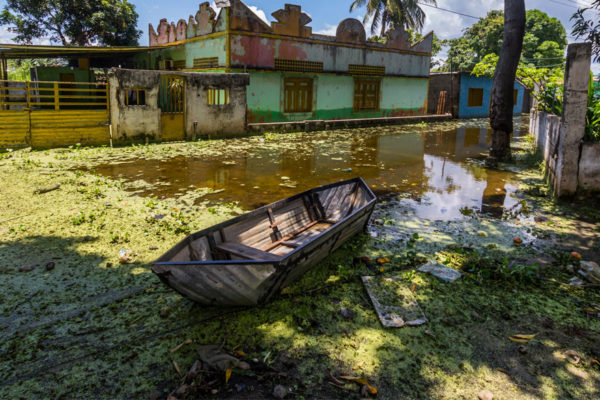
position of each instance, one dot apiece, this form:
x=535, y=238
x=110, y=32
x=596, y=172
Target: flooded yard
x=440, y=170
x=78, y=322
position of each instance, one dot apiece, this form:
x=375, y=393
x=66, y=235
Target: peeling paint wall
x=134, y=121
x=333, y=98
x=145, y=120
x=216, y=120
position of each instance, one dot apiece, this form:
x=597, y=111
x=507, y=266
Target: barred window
x=135, y=97
x=217, y=97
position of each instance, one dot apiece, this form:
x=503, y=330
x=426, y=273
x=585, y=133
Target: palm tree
x=406, y=13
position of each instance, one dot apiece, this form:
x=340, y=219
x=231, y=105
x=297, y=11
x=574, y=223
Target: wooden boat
x=249, y=259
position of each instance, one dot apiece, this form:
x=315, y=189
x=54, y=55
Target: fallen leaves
x=174, y=349
x=383, y=260
x=371, y=389
x=228, y=374
x=576, y=255
x=517, y=240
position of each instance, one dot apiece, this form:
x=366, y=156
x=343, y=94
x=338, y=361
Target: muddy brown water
x=439, y=172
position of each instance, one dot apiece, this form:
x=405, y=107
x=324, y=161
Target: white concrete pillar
x=577, y=76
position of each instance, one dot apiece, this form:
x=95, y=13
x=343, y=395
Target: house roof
x=27, y=51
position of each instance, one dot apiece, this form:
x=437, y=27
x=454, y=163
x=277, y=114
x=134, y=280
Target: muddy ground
x=77, y=323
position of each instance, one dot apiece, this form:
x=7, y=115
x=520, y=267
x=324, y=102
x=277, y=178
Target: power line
x=564, y=4
x=450, y=11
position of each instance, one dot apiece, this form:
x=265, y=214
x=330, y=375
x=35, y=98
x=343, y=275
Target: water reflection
x=436, y=171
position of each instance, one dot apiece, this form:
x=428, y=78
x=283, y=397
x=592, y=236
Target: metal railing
x=40, y=95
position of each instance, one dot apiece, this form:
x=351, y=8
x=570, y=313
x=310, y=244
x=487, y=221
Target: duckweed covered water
x=438, y=168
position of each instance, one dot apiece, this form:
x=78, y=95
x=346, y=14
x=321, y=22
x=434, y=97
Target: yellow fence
x=53, y=114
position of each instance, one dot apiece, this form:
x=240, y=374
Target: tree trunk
x=383, y=23
x=501, y=113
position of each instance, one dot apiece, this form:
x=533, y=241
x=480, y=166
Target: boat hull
x=254, y=282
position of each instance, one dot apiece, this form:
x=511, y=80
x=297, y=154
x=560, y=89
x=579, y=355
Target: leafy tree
x=386, y=13
x=501, y=110
x=72, y=22
x=588, y=27
x=545, y=38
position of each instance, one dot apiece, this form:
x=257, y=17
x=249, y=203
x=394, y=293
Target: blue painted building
x=469, y=96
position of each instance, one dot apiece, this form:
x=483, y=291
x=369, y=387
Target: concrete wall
x=215, y=120
x=333, y=97
x=589, y=167
x=545, y=128
x=444, y=82
x=52, y=74
x=469, y=81
x=135, y=121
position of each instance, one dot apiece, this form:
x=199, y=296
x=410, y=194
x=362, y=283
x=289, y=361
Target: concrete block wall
x=571, y=163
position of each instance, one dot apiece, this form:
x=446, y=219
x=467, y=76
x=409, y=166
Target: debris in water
x=50, y=266
x=27, y=268
x=394, y=302
x=577, y=282
x=441, y=271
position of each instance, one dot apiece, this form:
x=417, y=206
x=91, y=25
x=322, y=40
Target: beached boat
x=249, y=259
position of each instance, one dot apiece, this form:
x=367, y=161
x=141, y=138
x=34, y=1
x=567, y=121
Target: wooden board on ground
x=394, y=302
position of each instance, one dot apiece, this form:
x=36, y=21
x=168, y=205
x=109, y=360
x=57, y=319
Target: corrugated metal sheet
x=68, y=127
x=14, y=129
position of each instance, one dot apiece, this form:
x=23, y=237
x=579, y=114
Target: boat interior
x=276, y=230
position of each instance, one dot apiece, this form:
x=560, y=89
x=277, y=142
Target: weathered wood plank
x=249, y=253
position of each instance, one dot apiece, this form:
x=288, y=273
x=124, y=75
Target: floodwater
x=437, y=172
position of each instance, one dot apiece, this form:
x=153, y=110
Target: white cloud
x=259, y=13
x=5, y=35
x=329, y=30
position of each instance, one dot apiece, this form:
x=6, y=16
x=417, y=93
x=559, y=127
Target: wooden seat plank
x=244, y=251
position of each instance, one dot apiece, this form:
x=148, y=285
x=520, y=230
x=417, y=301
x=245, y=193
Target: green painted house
x=296, y=75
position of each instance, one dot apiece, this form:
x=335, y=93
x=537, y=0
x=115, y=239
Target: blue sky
x=327, y=14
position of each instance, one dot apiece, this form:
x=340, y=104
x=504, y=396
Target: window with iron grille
x=217, y=97
x=206, y=62
x=366, y=70
x=297, y=95
x=179, y=64
x=366, y=94
x=135, y=97
x=298, y=66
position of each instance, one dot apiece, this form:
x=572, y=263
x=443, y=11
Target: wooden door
x=171, y=101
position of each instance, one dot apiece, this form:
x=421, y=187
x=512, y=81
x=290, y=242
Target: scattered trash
x=590, y=271
x=521, y=338
x=576, y=255
x=517, y=240
x=485, y=395
x=346, y=313
x=280, y=391
x=124, y=256
x=153, y=247
x=577, y=282
x=28, y=268
x=441, y=271
x=394, y=302
x=370, y=389
x=573, y=357
x=47, y=189
x=348, y=170
x=522, y=349
x=50, y=266
x=216, y=358
x=383, y=260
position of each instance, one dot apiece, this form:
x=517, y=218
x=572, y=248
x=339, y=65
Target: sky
x=326, y=15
